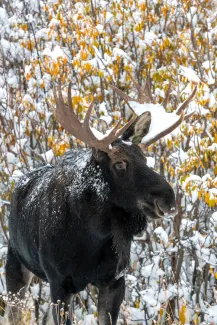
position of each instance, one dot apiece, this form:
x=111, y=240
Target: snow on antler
x=160, y=120
x=162, y=123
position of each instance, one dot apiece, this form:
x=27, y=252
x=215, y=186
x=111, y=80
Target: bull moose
x=72, y=224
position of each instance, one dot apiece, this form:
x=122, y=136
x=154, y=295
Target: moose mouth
x=158, y=210
x=153, y=211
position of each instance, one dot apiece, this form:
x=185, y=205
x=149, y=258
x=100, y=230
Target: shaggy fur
x=73, y=223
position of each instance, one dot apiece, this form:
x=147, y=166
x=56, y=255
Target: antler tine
x=115, y=133
x=187, y=101
x=57, y=100
x=167, y=131
x=126, y=126
x=126, y=97
x=114, y=130
x=59, y=115
x=118, y=132
x=60, y=91
x=143, y=91
x=64, y=113
x=87, y=117
x=141, y=98
x=136, y=84
x=104, y=143
x=187, y=116
x=70, y=100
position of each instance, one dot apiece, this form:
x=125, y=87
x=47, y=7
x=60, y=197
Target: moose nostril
x=173, y=211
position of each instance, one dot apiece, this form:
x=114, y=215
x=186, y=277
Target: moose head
x=134, y=187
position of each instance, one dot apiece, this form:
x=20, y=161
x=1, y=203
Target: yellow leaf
x=83, y=55
x=100, y=73
x=139, y=27
x=211, y=270
x=182, y=314
x=161, y=312
x=196, y=320
x=42, y=85
x=76, y=100
x=137, y=303
x=88, y=67
x=199, y=194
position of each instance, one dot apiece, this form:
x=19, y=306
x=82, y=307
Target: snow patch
x=160, y=120
x=189, y=73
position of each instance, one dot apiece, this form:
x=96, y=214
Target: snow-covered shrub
x=172, y=43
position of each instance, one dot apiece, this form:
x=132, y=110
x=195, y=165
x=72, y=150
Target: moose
x=72, y=224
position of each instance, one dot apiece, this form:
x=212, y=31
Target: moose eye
x=121, y=165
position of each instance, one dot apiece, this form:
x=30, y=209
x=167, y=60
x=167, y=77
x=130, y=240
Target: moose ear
x=138, y=129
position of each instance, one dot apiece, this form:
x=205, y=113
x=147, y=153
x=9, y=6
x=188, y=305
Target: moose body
x=72, y=224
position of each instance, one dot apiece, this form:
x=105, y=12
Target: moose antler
x=144, y=92
x=66, y=116
x=144, y=97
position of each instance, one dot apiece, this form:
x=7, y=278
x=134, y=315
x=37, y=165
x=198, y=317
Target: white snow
x=212, y=315
x=97, y=134
x=161, y=234
x=134, y=316
x=194, y=196
x=11, y=157
x=100, y=28
x=149, y=37
x=160, y=120
x=55, y=54
x=17, y=173
x=3, y=17
x=21, y=143
x=104, y=114
x=90, y=320
x=150, y=162
x=214, y=218
x=48, y=156
x=147, y=270
x=189, y=73
x=13, y=81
